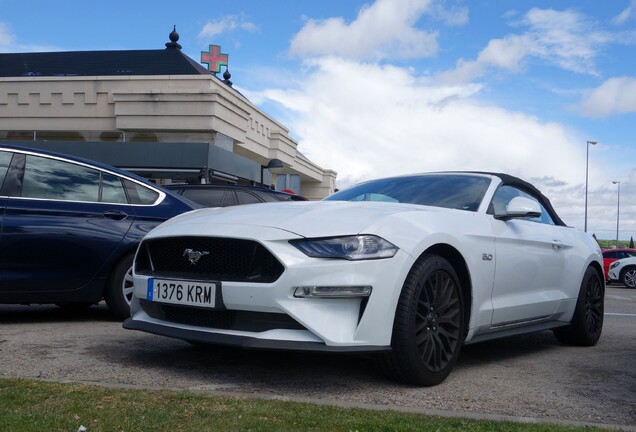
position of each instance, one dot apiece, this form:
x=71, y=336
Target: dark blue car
x=70, y=228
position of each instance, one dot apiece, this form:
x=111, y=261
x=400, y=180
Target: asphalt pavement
x=524, y=378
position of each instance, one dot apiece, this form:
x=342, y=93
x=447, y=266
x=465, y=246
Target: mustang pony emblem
x=194, y=256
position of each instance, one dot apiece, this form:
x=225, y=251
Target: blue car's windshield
x=463, y=192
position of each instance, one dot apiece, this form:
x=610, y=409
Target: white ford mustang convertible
x=409, y=268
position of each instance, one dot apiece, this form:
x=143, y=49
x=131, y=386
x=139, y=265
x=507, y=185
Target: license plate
x=193, y=293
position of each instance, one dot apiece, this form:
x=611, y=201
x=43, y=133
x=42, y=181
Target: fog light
x=333, y=291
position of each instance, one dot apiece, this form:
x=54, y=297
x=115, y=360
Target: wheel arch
x=455, y=258
x=600, y=271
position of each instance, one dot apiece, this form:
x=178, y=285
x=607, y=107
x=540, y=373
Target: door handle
x=115, y=214
x=557, y=244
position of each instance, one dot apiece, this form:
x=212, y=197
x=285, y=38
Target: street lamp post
x=618, y=209
x=272, y=166
x=587, y=160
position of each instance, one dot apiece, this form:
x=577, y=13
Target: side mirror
x=520, y=207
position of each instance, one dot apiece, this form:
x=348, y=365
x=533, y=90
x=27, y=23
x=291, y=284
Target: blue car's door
x=56, y=234
x=5, y=159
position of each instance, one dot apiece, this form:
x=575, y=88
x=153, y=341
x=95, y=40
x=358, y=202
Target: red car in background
x=611, y=255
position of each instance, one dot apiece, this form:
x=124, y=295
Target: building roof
x=168, y=61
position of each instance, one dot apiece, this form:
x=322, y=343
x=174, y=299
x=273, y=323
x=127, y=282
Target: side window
x=246, y=198
x=207, y=197
x=229, y=199
x=505, y=194
x=270, y=197
x=113, y=189
x=5, y=158
x=54, y=179
x=610, y=254
x=139, y=194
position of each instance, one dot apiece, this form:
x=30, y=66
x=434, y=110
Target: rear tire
x=428, y=326
x=587, y=322
x=119, y=288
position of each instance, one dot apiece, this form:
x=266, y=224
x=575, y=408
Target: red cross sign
x=214, y=58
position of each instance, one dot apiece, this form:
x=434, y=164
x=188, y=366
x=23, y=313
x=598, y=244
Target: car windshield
x=463, y=192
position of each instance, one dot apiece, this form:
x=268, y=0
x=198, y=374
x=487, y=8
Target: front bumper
x=613, y=276
x=318, y=324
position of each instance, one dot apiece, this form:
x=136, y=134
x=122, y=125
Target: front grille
x=220, y=319
x=222, y=259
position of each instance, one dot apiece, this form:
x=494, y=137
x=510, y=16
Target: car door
x=56, y=234
x=529, y=263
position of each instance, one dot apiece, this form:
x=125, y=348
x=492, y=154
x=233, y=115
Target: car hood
x=303, y=218
x=625, y=261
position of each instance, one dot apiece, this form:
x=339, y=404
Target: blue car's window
x=138, y=194
x=113, y=190
x=463, y=192
x=5, y=158
x=54, y=179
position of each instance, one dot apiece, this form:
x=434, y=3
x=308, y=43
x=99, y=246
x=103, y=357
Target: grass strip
x=27, y=405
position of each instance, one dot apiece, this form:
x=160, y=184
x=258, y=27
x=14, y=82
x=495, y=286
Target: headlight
x=614, y=265
x=358, y=247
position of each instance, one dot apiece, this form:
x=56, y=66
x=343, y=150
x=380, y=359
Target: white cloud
x=566, y=39
x=626, y=14
x=452, y=17
x=228, y=23
x=6, y=37
x=366, y=121
x=385, y=29
x=614, y=96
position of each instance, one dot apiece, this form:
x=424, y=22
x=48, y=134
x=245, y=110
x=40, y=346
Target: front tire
x=119, y=288
x=428, y=326
x=587, y=322
x=628, y=277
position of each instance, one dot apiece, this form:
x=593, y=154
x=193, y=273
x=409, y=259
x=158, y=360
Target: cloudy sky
x=384, y=87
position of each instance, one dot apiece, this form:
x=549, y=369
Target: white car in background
x=623, y=271
x=410, y=268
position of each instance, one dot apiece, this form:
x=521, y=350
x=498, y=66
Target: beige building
x=118, y=106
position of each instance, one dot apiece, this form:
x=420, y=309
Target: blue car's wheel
x=119, y=288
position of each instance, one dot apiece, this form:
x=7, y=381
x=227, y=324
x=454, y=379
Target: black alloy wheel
x=587, y=321
x=428, y=327
x=594, y=306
